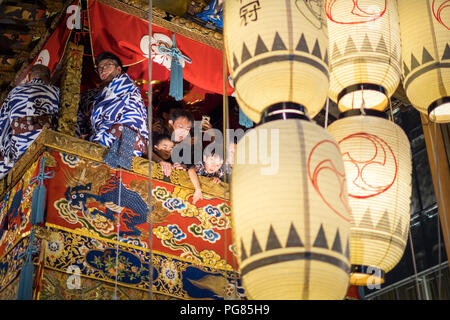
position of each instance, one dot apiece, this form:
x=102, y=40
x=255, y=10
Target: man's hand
x=216, y=180
x=179, y=166
x=197, y=196
x=166, y=168
x=206, y=125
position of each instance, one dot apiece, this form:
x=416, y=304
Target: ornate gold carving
x=176, y=7
x=38, y=29
x=192, y=26
x=27, y=159
x=43, y=232
x=82, y=148
x=70, y=88
x=196, y=6
x=34, y=52
x=51, y=140
x=53, y=6
x=180, y=177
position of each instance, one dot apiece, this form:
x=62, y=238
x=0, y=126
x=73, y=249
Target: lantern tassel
x=39, y=194
x=25, y=291
x=244, y=120
x=176, y=75
x=38, y=204
x=176, y=69
x=176, y=80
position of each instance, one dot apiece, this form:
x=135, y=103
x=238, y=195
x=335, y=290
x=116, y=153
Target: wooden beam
x=436, y=150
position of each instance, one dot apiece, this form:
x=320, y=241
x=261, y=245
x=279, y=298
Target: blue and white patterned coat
x=118, y=103
x=27, y=101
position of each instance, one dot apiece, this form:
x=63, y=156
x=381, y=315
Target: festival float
x=74, y=246
x=73, y=227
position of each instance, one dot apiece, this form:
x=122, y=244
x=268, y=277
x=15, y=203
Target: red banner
x=127, y=36
x=84, y=196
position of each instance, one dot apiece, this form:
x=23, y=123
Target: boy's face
x=164, y=149
x=181, y=128
x=212, y=163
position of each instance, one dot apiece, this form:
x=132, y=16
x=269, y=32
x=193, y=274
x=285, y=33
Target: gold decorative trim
x=50, y=140
x=72, y=145
x=70, y=88
x=42, y=41
x=82, y=233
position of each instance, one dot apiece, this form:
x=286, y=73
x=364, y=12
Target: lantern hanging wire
x=149, y=148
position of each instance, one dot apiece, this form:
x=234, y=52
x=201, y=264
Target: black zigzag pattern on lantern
x=383, y=224
x=426, y=58
x=277, y=45
x=294, y=241
x=428, y=63
x=385, y=230
x=366, y=46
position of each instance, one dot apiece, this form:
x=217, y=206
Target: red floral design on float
x=355, y=9
x=318, y=165
x=377, y=162
x=438, y=7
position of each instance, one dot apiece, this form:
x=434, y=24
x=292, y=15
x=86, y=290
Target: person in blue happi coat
x=117, y=104
x=24, y=113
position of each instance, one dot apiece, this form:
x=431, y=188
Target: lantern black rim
x=284, y=111
x=368, y=270
x=359, y=112
x=437, y=103
x=361, y=86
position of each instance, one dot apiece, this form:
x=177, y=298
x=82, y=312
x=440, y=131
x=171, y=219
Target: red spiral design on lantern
x=316, y=166
x=438, y=7
x=356, y=15
x=378, y=153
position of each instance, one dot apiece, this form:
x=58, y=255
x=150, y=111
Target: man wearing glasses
x=116, y=104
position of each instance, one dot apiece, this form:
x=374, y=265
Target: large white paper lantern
x=277, y=52
x=290, y=212
x=365, y=52
x=377, y=158
x=425, y=35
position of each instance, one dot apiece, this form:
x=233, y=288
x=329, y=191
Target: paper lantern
x=377, y=160
x=365, y=52
x=277, y=52
x=425, y=34
x=290, y=212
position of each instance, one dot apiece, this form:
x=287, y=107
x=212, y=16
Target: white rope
x=150, y=148
x=419, y=295
x=225, y=125
x=326, y=112
x=438, y=195
x=363, y=102
x=118, y=236
x=390, y=107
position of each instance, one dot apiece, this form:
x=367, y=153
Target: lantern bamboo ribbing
x=290, y=225
x=277, y=52
x=291, y=214
x=425, y=34
x=377, y=160
x=364, y=46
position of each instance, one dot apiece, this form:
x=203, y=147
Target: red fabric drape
x=124, y=35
